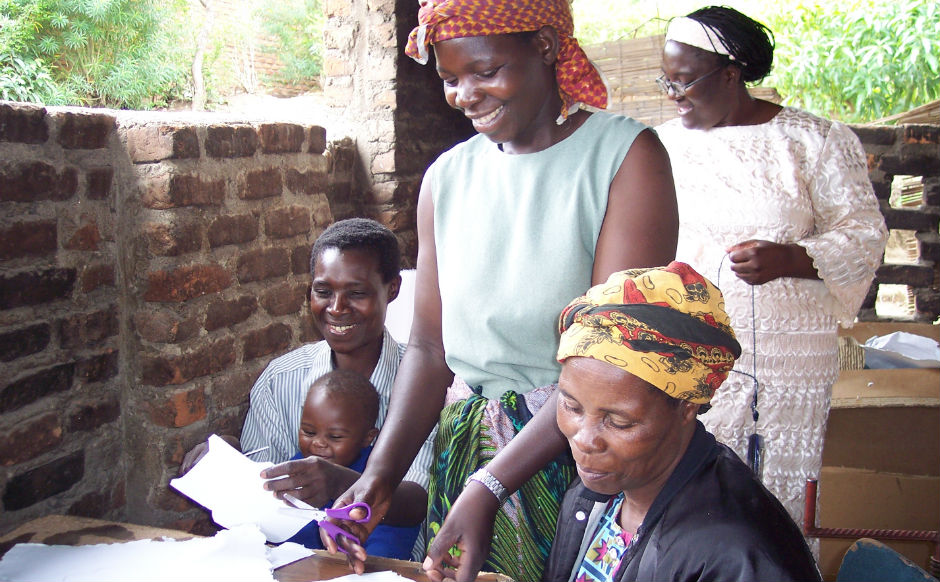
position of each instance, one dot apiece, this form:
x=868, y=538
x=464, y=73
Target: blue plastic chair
x=869, y=560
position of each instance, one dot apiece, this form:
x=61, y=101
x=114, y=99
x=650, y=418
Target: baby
x=337, y=424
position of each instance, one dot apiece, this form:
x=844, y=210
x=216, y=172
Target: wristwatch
x=485, y=478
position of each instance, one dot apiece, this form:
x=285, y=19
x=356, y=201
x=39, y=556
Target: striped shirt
x=278, y=396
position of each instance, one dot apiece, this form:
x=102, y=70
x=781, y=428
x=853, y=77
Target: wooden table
x=78, y=531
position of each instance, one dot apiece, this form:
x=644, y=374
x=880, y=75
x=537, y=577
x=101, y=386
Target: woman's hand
x=378, y=494
x=193, y=457
x=469, y=527
x=313, y=480
x=199, y=451
x=758, y=261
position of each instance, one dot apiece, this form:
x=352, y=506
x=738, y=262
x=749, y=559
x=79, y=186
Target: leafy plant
x=859, y=61
x=297, y=26
x=113, y=53
x=28, y=80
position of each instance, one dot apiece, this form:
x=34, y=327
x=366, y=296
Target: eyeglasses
x=679, y=89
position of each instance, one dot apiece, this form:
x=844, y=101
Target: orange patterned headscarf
x=439, y=20
x=667, y=326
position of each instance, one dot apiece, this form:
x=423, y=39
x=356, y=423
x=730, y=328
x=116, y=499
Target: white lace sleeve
x=848, y=244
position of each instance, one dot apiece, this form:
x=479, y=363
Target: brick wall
x=907, y=150
x=150, y=267
x=395, y=108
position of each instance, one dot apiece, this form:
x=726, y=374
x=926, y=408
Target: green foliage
x=297, y=26
x=856, y=61
x=111, y=53
x=859, y=61
x=27, y=80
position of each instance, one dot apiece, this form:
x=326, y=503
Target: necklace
x=755, y=442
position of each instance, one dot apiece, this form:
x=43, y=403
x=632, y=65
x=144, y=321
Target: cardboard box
x=859, y=498
x=881, y=458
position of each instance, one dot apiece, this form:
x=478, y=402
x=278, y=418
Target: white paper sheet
x=229, y=485
x=901, y=349
x=384, y=576
x=237, y=554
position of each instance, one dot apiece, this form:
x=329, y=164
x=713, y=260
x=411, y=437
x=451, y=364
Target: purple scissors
x=333, y=530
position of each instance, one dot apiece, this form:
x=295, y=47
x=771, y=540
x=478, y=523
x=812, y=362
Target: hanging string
x=755, y=442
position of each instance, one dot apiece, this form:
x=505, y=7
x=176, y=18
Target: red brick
x=231, y=230
x=95, y=276
x=163, y=370
x=30, y=440
x=300, y=260
x=88, y=416
x=227, y=313
x=317, y=140
x=262, y=184
x=156, y=143
x=186, y=283
x=173, y=239
x=24, y=239
x=231, y=389
x=226, y=141
x=312, y=182
x=23, y=123
x=35, y=387
x=84, y=131
x=396, y=220
x=164, y=326
x=98, y=183
x=922, y=134
x=179, y=408
x=342, y=157
x=98, y=504
x=36, y=287
x=34, y=181
x=268, y=340
x=168, y=499
x=24, y=341
x=98, y=368
x=179, y=191
x=262, y=264
x=284, y=299
x=43, y=482
x=85, y=238
x=87, y=329
x=278, y=138
x=200, y=525
x=287, y=222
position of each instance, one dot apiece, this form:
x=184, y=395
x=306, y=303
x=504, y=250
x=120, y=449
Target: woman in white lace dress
x=775, y=207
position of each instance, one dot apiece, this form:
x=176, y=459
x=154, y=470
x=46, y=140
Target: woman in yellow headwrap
x=548, y=200
x=657, y=497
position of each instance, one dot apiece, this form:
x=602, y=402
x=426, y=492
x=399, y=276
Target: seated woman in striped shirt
x=355, y=265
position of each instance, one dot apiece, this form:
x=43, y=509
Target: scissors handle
x=344, y=512
x=334, y=531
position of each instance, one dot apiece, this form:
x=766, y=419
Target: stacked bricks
x=395, y=107
x=60, y=315
x=907, y=150
x=225, y=215
x=151, y=265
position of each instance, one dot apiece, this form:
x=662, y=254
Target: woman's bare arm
x=640, y=229
x=418, y=394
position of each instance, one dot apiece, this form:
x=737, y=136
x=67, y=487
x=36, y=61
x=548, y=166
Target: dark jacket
x=713, y=520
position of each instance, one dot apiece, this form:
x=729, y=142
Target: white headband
x=694, y=33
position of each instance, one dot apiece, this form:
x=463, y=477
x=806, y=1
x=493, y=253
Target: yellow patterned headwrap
x=439, y=20
x=666, y=325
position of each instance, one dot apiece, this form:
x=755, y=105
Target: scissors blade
x=318, y=514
